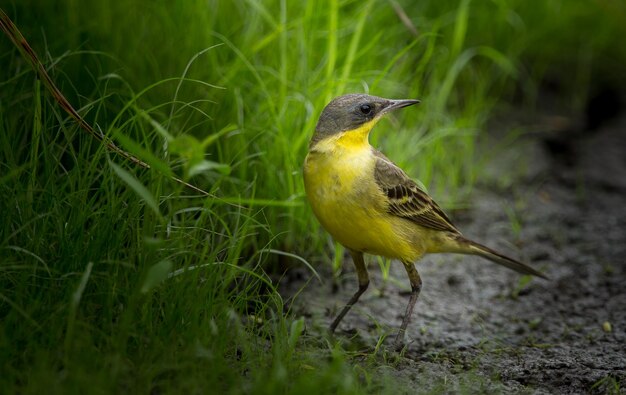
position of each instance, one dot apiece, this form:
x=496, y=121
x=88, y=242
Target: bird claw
x=398, y=343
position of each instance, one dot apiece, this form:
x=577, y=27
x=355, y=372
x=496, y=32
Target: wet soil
x=482, y=328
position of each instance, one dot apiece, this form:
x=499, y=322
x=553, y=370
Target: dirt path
x=480, y=327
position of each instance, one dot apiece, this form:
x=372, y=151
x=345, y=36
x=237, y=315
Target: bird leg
x=364, y=281
x=416, y=287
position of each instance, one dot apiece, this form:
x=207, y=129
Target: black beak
x=395, y=104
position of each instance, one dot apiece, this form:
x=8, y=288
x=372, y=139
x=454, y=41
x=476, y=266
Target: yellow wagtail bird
x=370, y=205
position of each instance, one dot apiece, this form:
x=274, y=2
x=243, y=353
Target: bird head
x=354, y=112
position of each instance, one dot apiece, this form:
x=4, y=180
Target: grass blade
x=156, y=274
x=138, y=187
x=296, y=257
x=143, y=153
x=74, y=302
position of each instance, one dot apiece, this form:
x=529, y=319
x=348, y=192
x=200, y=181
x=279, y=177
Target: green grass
x=115, y=278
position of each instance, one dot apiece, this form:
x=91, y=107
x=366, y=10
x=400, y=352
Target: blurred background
x=118, y=278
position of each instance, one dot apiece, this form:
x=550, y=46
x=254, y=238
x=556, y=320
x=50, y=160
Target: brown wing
x=406, y=199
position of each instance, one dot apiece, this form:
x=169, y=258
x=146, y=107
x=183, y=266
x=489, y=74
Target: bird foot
x=398, y=344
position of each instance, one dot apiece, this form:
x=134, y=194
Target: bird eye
x=365, y=109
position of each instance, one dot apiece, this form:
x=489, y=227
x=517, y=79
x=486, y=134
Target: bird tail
x=471, y=247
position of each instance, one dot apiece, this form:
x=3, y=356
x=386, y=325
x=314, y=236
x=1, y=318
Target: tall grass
x=115, y=278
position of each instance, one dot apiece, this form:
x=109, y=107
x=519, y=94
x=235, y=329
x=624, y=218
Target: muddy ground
x=482, y=328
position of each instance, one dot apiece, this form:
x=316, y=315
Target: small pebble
x=606, y=326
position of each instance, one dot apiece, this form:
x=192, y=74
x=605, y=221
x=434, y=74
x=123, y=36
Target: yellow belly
x=344, y=196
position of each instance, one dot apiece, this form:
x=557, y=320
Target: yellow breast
x=340, y=184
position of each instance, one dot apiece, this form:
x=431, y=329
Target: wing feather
x=406, y=199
